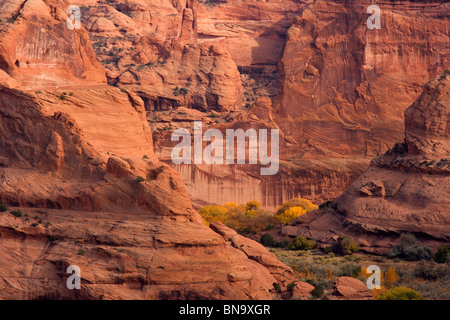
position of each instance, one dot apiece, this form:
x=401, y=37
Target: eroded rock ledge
x=404, y=190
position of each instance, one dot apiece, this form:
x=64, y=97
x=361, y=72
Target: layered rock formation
x=201, y=77
x=84, y=187
x=151, y=48
x=242, y=183
x=74, y=169
x=404, y=190
x=38, y=50
x=338, y=79
x=344, y=88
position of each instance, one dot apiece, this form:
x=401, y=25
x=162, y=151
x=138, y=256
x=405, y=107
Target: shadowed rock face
x=404, y=190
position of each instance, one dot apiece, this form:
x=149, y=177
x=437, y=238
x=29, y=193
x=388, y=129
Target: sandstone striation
x=84, y=187
x=404, y=190
x=75, y=175
x=343, y=91
x=38, y=50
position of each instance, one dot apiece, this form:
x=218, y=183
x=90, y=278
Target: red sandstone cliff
x=343, y=91
x=404, y=190
x=38, y=50
x=79, y=164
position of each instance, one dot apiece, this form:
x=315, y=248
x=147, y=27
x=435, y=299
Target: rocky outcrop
x=343, y=91
x=35, y=39
x=302, y=290
x=404, y=190
x=152, y=49
x=96, y=197
x=84, y=187
x=201, y=77
x=348, y=288
x=256, y=252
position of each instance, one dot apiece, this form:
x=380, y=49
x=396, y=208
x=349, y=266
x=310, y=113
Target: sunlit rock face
x=77, y=160
x=404, y=190
x=343, y=92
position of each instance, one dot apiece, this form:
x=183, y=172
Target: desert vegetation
x=410, y=270
x=400, y=279
x=251, y=218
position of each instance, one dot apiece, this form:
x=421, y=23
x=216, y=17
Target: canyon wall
x=83, y=187
x=343, y=90
x=337, y=88
x=345, y=86
x=334, y=88
x=38, y=50
x=404, y=190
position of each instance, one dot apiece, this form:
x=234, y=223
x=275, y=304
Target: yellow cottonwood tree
x=294, y=208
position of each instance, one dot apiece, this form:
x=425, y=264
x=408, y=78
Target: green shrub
x=3, y=207
x=318, y=291
x=410, y=249
x=327, y=204
x=284, y=243
x=345, y=245
x=139, y=179
x=445, y=74
x=62, y=97
x=348, y=269
x=430, y=271
x=400, y=293
x=267, y=240
x=300, y=243
x=442, y=254
x=81, y=252
x=356, y=271
x=277, y=287
x=16, y=213
x=291, y=286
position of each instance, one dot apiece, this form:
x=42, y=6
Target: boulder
x=348, y=288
